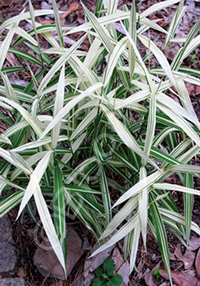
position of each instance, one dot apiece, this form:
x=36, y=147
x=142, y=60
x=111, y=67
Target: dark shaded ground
x=22, y=230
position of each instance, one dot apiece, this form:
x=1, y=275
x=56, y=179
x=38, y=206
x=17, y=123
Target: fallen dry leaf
x=190, y=88
x=197, y=262
x=94, y=262
x=149, y=278
x=187, y=258
x=45, y=5
x=124, y=272
x=22, y=272
x=46, y=260
x=11, y=59
x=73, y=7
x=47, y=22
x=194, y=243
x=181, y=278
x=197, y=89
x=117, y=258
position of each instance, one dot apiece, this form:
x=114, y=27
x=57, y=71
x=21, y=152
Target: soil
x=22, y=229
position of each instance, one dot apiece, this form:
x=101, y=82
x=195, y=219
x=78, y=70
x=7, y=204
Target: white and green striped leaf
x=58, y=105
x=113, y=59
x=35, y=179
x=105, y=194
x=143, y=199
x=6, y=43
x=120, y=216
x=59, y=209
x=124, y=230
x=133, y=245
x=161, y=236
x=9, y=203
x=48, y=225
x=188, y=204
x=174, y=187
x=142, y=184
x=65, y=110
x=58, y=24
x=61, y=61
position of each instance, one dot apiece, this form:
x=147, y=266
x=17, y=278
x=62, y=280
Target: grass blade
x=58, y=24
x=58, y=64
x=161, y=236
x=113, y=59
x=48, y=225
x=9, y=203
x=105, y=194
x=35, y=178
x=160, y=57
x=58, y=105
x=59, y=210
x=123, y=133
x=25, y=56
x=133, y=35
x=157, y=7
x=64, y=111
x=133, y=245
x=100, y=30
x=124, y=230
x=174, y=187
x=144, y=183
x=188, y=204
x=6, y=44
x=175, y=22
x=10, y=92
x=143, y=206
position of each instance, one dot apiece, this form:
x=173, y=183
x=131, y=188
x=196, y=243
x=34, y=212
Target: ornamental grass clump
x=96, y=134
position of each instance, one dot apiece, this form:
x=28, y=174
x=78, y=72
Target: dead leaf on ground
x=45, y=5
x=47, y=262
x=149, y=278
x=197, y=89
x=117, y=258
x=194, y=243
x=187, y=258
x=124, y=271
x=47, y=22
x=11, y=59
x=91, y=264
x=197, y=262
x=190, y=88
x=22, y=272
x=181, y=278
x=172, y=256
x=72, y=8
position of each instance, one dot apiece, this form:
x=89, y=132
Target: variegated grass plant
x=97, y=133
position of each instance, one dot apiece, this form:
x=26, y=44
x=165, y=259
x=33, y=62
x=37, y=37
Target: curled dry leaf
x=181, y=278
x=187, y=258
x=72, y=8
x=197, y=262
x=149, y=278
